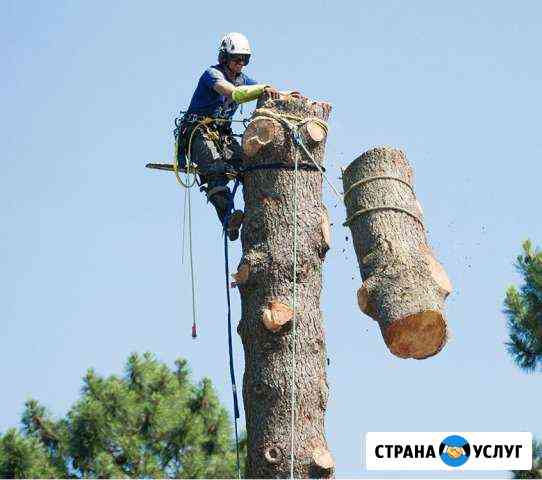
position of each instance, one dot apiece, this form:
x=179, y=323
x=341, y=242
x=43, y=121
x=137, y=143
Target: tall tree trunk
x=404, y=286
x=265, y=281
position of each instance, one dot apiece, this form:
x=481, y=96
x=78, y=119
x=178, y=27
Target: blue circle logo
x=454, y=451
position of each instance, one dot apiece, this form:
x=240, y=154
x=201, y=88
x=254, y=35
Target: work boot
x=234, y=225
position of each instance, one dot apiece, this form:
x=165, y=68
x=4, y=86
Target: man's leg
x=209, y=161
x=234, y=154
x=234, y=157
x=212, y=168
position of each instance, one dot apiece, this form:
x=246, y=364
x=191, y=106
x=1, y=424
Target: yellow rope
x=284, y=117
x=191, y=168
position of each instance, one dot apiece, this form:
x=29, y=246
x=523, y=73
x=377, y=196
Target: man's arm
x=244, y=93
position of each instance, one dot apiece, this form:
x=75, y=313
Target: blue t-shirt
x=207, y=101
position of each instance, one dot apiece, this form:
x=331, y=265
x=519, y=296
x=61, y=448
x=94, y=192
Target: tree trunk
x=265, y=281
x=404, y=286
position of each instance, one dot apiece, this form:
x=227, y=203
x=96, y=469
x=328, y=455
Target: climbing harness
x=190, y=124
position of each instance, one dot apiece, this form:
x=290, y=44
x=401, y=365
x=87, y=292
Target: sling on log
x=404, y=286
x=265, y=282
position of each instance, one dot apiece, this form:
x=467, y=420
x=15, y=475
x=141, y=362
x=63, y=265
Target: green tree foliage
x=536, y=471
x=152, y=422
x=25, y=457
x=523, y=309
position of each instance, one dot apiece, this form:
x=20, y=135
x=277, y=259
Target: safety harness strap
x=280, y=166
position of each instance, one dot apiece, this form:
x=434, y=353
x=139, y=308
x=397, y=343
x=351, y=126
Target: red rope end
x=194, y=331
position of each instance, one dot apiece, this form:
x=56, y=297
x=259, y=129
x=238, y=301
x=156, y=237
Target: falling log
x=404, y=286
x=265, y=282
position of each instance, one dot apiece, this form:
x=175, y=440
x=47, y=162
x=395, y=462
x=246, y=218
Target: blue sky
x=90, y=240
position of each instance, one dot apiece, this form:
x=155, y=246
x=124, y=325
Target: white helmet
x=234, y=44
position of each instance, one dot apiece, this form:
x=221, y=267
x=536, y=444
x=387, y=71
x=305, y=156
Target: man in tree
x=212, y=146
x=150, y=423
x=523, y=309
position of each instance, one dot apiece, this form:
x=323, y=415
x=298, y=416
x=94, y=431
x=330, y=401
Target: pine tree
x=25, y=457
x=151, y=422
x=523, y=309
x=536, y=471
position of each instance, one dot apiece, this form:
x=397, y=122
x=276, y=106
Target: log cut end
x=418, y=336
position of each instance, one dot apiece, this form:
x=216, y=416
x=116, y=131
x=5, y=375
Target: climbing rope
x=187, y=184
x=192, y=276
x=294, y=309
x=190, y=172
x=230, y=339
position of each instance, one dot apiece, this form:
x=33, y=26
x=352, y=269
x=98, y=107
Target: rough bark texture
x=265, y=282
x=404, y=286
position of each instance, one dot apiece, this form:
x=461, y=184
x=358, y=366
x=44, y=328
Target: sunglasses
x=240, y=58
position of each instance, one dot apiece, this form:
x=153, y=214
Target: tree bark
x=404, y=286
x=265, y=282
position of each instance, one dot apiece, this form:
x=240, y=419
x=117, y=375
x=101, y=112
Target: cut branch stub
x=315, y=132
x=260, y=132
x=323, y=459
x=273, y=455
x=276, y=315
x=326, y=229
x=363, y=301
x=241, y=276
x=404, y=285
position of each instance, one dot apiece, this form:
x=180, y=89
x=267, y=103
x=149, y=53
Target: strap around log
x=379, y=177
x=282, y=166
x=382, y=207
